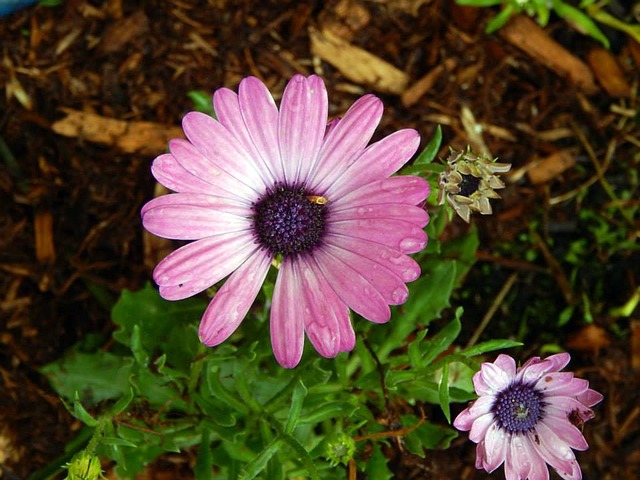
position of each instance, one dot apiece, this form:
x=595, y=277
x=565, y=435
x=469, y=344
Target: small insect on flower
x=469, y=181
x=317, y=199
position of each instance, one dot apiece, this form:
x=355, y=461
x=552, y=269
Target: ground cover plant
x=525, y=294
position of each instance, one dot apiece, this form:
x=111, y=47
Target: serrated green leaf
x=121, y=405
x=96, y=377
x=303, y=455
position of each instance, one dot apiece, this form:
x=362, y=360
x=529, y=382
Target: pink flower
x=261, y=184
x=529, y=416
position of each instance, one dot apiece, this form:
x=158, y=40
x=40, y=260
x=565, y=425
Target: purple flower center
x=518, y=408
x=289, y=220
x=469, y=185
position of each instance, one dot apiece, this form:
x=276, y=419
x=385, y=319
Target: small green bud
x=84, y=466
x=339, y=449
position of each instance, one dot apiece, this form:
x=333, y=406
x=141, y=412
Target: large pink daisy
x=529, y=416
x=261, y=184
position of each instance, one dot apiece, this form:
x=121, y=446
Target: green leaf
x=431, y=150
x=297, y=399
x=443, y=393
x=441, y=340
x=81, y=414
x=201, y=101
x=303, y=455
x=428, y=436
x=96, y=377
x=581, y=21
x=377, y=466
x=489, y=346
x=499, y=20
x=160, y=322
x=258, y=464
x=203, y=468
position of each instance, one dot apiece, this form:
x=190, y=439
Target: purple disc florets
x=518, y=408
x=287, y=221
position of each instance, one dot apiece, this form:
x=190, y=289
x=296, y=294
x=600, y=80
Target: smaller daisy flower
x=528, y=417
x=469, y=181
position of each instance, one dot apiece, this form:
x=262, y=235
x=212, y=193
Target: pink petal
x=562, y=383
x=520, y=458
x=408, y=213
x=227, y=108
x=590, y=398
x=198, y=265
x=404, y=189
x=495, y=377
x=287, y=317
x=507, y=364
x=402, y=265
x=496, y=443
x=571, y=435
x=260, y=115
x=218, y=145
x=325, y=312
x=303, y=119
x=559, y=361
x=190, y=216
x=397, y=234
x=481, y=426
x=378, y=161
x=346, y=141
x=206, y=169
x=386, y=282
x=168, y=171
x=353, y=288
x=555, y=451
x=232, y=302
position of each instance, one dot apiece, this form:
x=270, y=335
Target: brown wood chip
x=525, y=34
x=146, y=138
x=608, y=72
x=358, y=65
x=546, y=169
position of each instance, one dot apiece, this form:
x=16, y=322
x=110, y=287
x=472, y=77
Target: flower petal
x=168, y=171
x=218, y=145
x=562, y=383
x=386, y=282
x=227, y=108
x=555, y=451
x=496, y=444
x=353, y=288
x=402, y=265
x=407, y=213
x=590, y=398
x=379, y=160
x=325, y=313
x=302, y=125
x=232, y=302
x=345, y=141
x=481, y=426
x=260, y=115
x=507, y=364
x=495, y=377
x=198, y=265
x=397, y=234
x=190, y=216
x=405, y=189
x=206, y=169
x=287, y=317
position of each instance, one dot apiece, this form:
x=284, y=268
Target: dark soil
x=70, y=233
